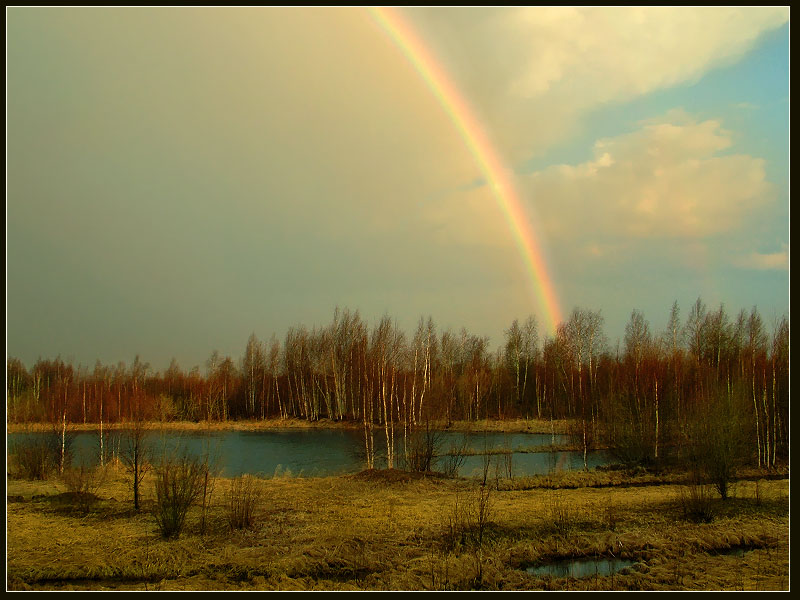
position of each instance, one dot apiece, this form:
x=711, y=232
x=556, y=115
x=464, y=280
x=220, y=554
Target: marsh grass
x=242, y=501
x=348, y=533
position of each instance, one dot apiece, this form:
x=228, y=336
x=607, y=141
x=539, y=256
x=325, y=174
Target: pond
x=323, y=452
x=584, y=567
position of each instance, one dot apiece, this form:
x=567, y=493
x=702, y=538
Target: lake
x=323, y=452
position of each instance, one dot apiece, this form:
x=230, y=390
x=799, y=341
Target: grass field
x=389, y=530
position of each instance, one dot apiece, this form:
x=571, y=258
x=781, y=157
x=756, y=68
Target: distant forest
x=642, y=395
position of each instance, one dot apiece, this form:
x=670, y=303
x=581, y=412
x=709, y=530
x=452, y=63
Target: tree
x=780, y=387
x=755, y=351
x=385, y=348
x=581, y=337
x=718, y=442
x=694, y=330
x=520, y=352
x=16, y=383
x=135, y=455
x=222, y=376
x=425, y=345
x=273, y=368
x=253, y=367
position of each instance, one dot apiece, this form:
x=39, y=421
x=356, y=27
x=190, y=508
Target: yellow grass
x=506, y=426
x=393, y=531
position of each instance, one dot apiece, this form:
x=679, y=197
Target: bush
x=178, y=483
x=423, y=446
x=452, y=460
x=629, y=435
x=35, y=457
x=243, y=500
x=718, y=445
x=696, y=501
x=468, y=524
x=83, y=483
x=469, y=519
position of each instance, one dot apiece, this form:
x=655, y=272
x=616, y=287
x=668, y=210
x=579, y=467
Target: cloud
x=667, y=179
x=775, y=261
x=624, y=52
x=559, y=63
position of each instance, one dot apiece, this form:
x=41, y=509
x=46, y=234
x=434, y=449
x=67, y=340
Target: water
x=578, y=568
x=323, y=452
x=737, y=551
x=526, y=464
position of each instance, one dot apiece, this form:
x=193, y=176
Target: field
x=390, y=530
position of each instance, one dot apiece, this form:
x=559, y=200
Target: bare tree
x=253, y=366
x=135, y=455
x=521, y=349
x=274, y=362
x=386, y=346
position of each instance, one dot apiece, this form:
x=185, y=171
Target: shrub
x=469, y=519
x=83, y=483
x=468, y=524
x=696, y=501
x=243, y=500
x=717, y=445
x=35, y=457
x=629, y=435
x=178, y=483
x=135, y=456
x=423, y=446
x=451, y=461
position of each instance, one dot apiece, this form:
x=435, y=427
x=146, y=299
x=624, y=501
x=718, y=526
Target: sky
x=179, y=178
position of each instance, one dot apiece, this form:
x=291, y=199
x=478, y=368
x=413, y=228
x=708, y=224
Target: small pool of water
x=735, y=551
x=584, y=567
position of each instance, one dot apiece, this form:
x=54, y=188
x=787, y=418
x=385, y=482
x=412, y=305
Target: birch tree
x=253, y=367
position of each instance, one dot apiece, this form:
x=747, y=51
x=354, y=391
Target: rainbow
x=495, y=173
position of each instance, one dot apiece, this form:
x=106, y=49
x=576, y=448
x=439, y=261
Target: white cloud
x=533, y=72
x=624, y=52
x=665, y=180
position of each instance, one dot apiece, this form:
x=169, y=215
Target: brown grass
x=506, y=426
x=387, y=531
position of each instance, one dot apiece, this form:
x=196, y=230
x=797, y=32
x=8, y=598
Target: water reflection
x=323, y=452
x=578, y=568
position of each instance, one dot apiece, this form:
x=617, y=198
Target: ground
x=389, y=530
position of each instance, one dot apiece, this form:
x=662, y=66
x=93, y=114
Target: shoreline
x=509, y=426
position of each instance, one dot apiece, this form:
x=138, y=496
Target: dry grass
x=387, y=530
x=506, y=426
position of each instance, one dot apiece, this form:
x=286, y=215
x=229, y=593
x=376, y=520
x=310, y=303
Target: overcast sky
x=178, y=179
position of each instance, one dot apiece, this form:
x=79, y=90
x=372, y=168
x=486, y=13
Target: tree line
x=644, y=396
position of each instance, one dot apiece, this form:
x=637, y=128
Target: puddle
x=578, y=568
x=735, y=551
